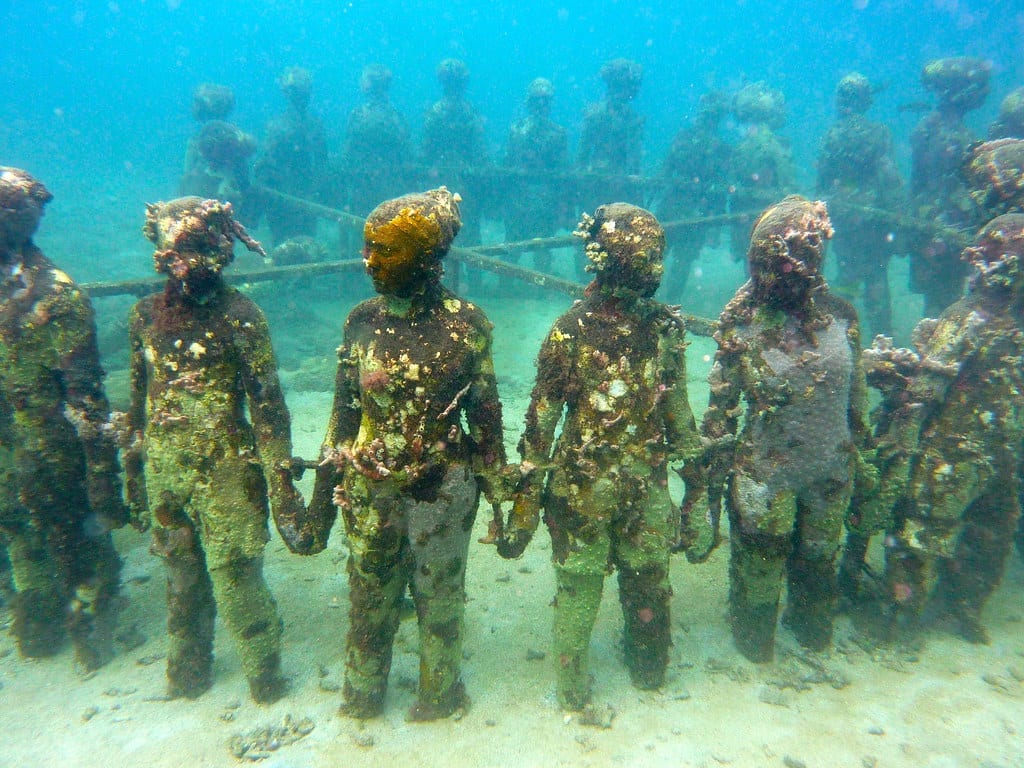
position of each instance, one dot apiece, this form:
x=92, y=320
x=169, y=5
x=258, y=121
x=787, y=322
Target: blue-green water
x=95, y=103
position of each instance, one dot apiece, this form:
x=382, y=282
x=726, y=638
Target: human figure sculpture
x=398, y=463
x=612, y=373
x=856, y=171
x=536, y=145
x=200, y=472
x=610, y=149
x=377, y=147
x=697, y=173
x=939, y=144
x=61, y=492
x=762, y=166
x=788, y=362
x=954, y=442
x=293, y=158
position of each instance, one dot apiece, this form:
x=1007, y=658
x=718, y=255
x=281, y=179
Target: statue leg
x=755, y=583
x=679, y=262
x=811, y=587
x=877, y=302
x=190, y=610
x=760, y=540
x=580, y=551
x=378, y=574
x=977, y=565
x=6, y=578
x=644, y=588
x=95, y=579
x=851, y=565
x=250, y=613
x=577, y=599
x=910, y=577
x=38, y=606
x=645, y=594
x=439, y=536
x=375, y=596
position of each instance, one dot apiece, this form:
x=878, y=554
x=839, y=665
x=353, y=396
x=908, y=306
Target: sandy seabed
x=947, y=705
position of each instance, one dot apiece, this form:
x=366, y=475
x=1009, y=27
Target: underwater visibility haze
x=811, y=401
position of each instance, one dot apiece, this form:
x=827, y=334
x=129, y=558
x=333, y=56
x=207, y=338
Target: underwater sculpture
x=401, y=469
x=697, y=172
x=535, y=207
x=762, y=166
x=611, y=138
x=220, y=167
x=994, y=171
x=953, y=444
x=293, y=158
x=198, y=472
x=210, y=101
x=614, y=366
x=856, y=170
x=454, y=148
x=937, y=190
x=1010, y=123
x=377, y=148
x=789, y=353
x=61, y=492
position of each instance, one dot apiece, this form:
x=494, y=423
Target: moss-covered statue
x=762, y=168
x=415, y=365
x=994, y=171
x=454, y=146
x=612, y=372
x=293, y=158
x=210, y=101
x=218, y=167
x=1010, y=123
x=377, y=149
x=60, y=493
x=961, y=427
x=611, y=138
x=856, y=170
x=790, y=351
x=697, y=173
x=198, y=472
x=937, y=191
x=537, y=145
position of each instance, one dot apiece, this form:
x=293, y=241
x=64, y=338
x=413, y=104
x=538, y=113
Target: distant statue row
x=414, y=437
x=537, y=189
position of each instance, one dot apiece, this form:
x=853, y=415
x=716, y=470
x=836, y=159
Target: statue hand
x=292, y=523
x=698, y=533
x=517, y=533
x=106, y=503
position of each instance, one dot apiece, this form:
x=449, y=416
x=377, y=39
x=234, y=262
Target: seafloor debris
x=260, y=743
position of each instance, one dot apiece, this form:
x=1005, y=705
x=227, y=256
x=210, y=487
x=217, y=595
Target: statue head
x=212, y=101
x=854, y=94
x=539, y=96
x=375, y=80
x=194, y=240
x=22, y=199
x=625, y=246
x=296, y=83
x=622, y=79
x=406, y=239
x=787, y=249
x=453, y=75
x=961, y=83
